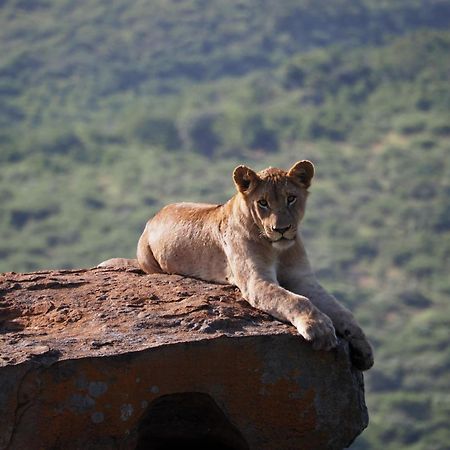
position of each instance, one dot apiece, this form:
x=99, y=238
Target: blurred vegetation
x=110, y=109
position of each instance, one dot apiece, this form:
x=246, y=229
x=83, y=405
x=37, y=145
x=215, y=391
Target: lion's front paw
x=318, y=329
x=361, y=353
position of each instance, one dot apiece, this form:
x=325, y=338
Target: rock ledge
x=114, y=359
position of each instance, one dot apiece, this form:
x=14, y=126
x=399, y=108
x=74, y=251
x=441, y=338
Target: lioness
x=253, y=242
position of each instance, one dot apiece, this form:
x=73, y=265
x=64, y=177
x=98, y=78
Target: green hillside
x=62, y=60
x=108, y=110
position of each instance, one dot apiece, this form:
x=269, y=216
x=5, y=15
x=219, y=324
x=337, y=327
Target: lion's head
x=276, y=199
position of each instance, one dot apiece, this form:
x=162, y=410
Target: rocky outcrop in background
x=110, y=359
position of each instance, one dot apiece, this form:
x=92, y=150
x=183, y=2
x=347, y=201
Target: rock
x=114, y=359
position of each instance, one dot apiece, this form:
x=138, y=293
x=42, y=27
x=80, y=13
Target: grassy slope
x=77, y=184
x=92, y=50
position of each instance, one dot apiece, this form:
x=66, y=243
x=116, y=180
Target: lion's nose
x=281, y=230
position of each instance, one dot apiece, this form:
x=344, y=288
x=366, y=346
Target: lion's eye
x=291, y=199
x=263, y=203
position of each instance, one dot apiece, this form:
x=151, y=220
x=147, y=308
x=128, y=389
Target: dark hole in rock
x=187, y=420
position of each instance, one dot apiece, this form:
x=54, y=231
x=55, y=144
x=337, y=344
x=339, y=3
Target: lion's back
x=185, y=239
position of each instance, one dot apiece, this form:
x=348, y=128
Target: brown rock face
x=107, y=359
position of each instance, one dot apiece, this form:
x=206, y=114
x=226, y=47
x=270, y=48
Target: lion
x=253, y=241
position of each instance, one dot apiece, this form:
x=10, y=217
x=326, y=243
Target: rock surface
x=111, y=359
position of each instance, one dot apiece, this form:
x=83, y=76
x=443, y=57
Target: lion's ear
x=303, y=171
x=244, y=178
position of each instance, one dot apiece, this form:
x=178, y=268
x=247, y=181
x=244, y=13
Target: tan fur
x=253, y=242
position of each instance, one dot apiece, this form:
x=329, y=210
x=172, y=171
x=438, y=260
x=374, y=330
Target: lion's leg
x=261, y=289
x=312, y=324
x=145, y=260
x=145, y=257
x=343, y=320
